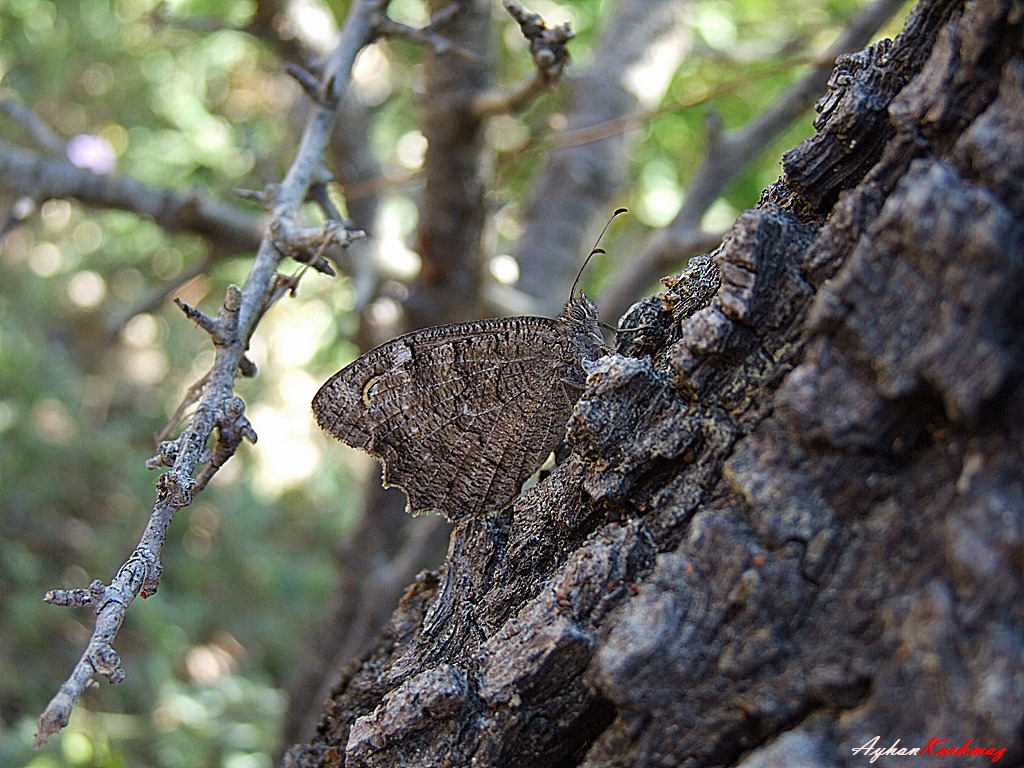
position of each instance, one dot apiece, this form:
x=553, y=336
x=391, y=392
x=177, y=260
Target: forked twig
x=550, y=52
x=217, y=408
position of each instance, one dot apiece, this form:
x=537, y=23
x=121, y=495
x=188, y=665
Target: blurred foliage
x=182, y=97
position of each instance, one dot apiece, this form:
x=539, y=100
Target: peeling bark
x=793, y=518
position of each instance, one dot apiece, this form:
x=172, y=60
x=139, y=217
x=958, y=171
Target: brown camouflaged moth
x=461, y=415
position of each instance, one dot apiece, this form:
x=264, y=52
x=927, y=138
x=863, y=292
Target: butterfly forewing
x=460, y=415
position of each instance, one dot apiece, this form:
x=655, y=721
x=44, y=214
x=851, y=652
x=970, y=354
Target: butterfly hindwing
x=460, y=415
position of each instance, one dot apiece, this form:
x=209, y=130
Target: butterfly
x=461, y=415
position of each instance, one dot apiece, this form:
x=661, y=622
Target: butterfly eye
x=577, y=311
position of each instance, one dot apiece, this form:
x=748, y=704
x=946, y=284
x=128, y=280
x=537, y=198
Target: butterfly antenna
x=595, y=250
x=634, y=329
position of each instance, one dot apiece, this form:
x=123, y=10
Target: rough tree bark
x=793, y=519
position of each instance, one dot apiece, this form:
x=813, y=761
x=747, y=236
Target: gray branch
x=219, y=408
x=44, y=177
x=42, y=135
x=549, y=49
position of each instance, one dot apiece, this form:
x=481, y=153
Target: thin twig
x=430, y=35
x=550, y=52
x=425, y=36
x=157, y=296
x=218, y=408
x=42, y=135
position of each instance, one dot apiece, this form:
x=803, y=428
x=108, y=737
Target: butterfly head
x=580, y=309
x=581, y=316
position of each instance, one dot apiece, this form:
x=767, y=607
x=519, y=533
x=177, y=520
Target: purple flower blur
x=92, y=152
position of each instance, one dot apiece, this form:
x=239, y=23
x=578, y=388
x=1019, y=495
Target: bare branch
x=197, y=316
x=308, y=81
x=42, y=177
x=218, y=408
x=232, y=428
x=156, y=297
x=76, y=598
x=547, y=45
x=549, y=48
x=428, y=35
x=42, y=135
x=308, y=244
x=727, y=154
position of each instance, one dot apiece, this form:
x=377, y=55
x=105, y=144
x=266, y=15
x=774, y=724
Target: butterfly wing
x=460, y=415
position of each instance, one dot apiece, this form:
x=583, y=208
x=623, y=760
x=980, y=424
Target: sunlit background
x=93, y=361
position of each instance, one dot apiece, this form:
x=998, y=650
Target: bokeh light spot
x=371, y=75
x=141, y=331
x=504, y=269
x=45, y=259
x=52, y=422
x=56, y=214
x=146, y=366
x=87, y=289
x=411, y=149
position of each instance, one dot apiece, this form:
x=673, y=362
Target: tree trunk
x=793, y=518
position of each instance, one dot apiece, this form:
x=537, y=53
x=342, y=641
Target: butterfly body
x=461, y=415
